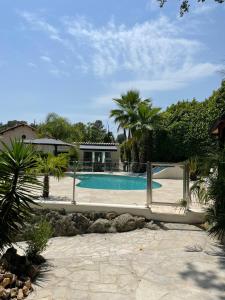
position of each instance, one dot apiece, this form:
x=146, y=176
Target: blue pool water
x=113, y=182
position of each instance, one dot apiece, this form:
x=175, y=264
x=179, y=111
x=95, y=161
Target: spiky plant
x=18, y=189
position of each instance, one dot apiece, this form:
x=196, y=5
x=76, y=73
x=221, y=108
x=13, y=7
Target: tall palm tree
x=51, y=165
x=145, y=119
x=127, y=104
x=125, y=115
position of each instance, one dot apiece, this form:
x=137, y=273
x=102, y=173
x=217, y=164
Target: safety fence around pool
x=135, y=184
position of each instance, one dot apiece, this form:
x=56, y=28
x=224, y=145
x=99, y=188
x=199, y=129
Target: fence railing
x=148, y=169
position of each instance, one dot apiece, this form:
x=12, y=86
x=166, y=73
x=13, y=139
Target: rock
x=5, y=282
x=20, y=295
x=82, y=222
x=28, y=284
x=26, y=291
x=19, y=283
x=2, y=291
x=125, y=222
x=140, y=222
x=151, y=225
x=7, y=293
x=111, y=215
x=14, y=292
x=100, y=226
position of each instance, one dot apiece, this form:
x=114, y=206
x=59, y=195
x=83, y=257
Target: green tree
x=18, y=189
x=125, y=116
x=51, y=165
x=185, y=5
x=145, y=120
x=56, y=127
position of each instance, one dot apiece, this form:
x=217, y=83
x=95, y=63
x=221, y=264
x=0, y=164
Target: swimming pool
x=113, y=182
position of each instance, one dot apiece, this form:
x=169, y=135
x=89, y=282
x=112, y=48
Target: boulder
x=20, y=295
x=14, y=292
x=111, y=215
x=151, y=225
x=81, y=221
x=2, y=291
x=100, y=226
x=127, y=222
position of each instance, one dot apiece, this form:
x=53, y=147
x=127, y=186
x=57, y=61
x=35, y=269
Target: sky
x=73, y=57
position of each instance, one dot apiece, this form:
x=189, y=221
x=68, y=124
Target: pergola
x=218, y=129
x=48, y=142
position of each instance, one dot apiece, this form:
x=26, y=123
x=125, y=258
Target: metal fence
x=147, y=170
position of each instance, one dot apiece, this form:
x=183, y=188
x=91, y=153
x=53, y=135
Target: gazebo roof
x=47, y=141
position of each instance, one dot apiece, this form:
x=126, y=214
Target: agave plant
x=18, y=189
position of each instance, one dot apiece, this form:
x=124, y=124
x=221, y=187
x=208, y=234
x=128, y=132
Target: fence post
x=184, y=182
x=74, y=181
x=187, y=186
x=149, y=184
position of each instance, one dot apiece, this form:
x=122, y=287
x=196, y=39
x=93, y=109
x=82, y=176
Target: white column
x=103, y=157
x=93, y=156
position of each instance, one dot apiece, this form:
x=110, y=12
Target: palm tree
x=18, y=189
x=145, y=120
x=125, y=115
x=51, y=165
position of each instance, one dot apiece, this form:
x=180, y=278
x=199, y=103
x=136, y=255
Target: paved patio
x=178, y=263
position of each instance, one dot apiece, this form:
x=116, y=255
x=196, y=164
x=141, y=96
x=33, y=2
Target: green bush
x=37, y=238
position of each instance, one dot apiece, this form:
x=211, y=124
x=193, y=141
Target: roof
x=16, y=126
x=47, y=141
x=95, y=147
x=98, y=146
x=220, y=122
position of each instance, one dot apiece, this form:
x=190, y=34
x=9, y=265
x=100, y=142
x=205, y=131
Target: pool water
x=113, y=182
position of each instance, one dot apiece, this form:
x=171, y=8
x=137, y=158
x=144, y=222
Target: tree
x=185, y=5
x=145, y=120
x=51, y=165
x=18, y=189
x=56, y=127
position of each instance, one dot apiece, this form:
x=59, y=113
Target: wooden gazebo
x=218, y=129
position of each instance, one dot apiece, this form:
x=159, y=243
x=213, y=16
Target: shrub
x=18, y=189
x=37, y=237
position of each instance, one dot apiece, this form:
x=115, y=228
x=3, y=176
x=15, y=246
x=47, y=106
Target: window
x=88, y=156
x=23, y=137
x=108, y=157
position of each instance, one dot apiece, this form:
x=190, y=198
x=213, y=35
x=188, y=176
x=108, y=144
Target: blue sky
x=72, y=57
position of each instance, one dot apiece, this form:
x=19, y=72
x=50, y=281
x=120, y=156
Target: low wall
x=169, y=173
x=190, y=217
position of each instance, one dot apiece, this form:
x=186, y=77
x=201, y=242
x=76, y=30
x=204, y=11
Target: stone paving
x=178, y=263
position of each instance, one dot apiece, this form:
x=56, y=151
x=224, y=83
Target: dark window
x=23, y=137
x=108, y=156
x=88, y=156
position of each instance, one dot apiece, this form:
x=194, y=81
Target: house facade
x=20, y=132
x=99, y=156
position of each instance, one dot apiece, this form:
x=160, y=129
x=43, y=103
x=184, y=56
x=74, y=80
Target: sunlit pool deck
x=171, y=191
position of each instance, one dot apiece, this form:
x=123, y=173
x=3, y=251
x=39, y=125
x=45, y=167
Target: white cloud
x=203, y=8
x=46, y=58
x=39, y=24
x=32, y=65
x=154, y=55
x=150, y=48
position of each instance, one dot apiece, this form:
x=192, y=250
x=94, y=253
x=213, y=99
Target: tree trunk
x=46, y=186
